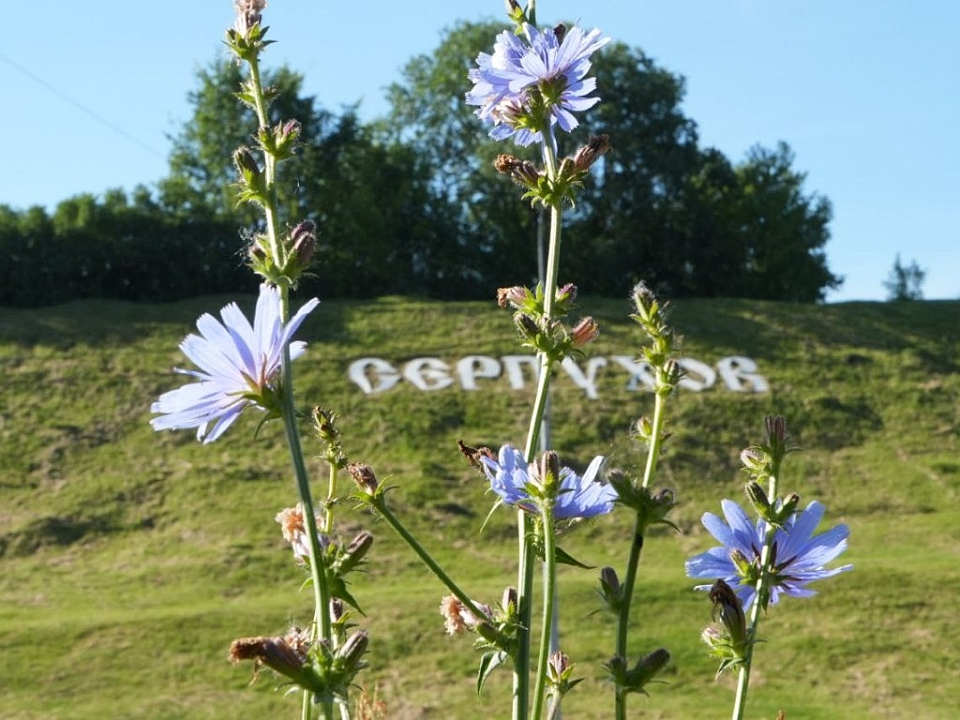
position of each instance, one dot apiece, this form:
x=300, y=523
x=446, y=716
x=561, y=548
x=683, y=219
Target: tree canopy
x=411, y=204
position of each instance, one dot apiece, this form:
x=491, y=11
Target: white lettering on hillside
x=376, y=375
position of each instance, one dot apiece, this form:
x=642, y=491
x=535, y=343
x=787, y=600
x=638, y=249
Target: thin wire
x=80, y=106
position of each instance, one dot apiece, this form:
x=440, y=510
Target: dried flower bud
x=516, y=296
x=248, y=14
x=364, y=477
x=473, y=454
x=522, y=172
x=728, y=607
x=274, y=652
x=452, y=611
x=588, y=154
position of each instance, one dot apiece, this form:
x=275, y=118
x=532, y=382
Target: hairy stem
x=759, y=602
x=549, y=596
x=636, y=547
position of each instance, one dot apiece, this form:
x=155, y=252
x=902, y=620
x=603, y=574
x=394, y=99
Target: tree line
x=410, y=203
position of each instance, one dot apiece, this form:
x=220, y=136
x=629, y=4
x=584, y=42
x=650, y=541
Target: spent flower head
x=569, y=495
x=798, y=556
x=294, y=529
x=526, y=87
x=239, y=365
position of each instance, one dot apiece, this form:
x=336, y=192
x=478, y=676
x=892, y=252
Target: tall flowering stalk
x=649, y=508
x=760, y=560
x=243, y=365
x=532, y=83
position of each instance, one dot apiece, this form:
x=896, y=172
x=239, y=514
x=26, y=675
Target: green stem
x=549, y=596
x=331, y=496
x=421, y=552
x=269, y=169
x=321, y=592
x=636, y=547
x=759, y=602
x=521, y=671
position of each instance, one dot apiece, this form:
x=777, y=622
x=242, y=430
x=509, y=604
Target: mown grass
x=131, y=559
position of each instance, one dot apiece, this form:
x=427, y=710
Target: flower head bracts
x=239, y=366
x=798, y=559
x=523, y=89
x=524, y=485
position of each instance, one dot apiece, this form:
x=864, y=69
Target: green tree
x=659, y=208
x=905, y=281
x=488, y=236
x=375, y=227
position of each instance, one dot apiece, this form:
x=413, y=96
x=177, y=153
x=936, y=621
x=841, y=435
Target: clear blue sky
x=866, y=92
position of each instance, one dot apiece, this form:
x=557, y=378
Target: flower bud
x=644, y=300
x=671, y=374
x=303, y=241
x=647, y=668
x=517, y=296
x=644, y=428
x=549, y=471
x=354, y=648
x=523, y=172
x=756, y=461
x=584, y=332
x=729, y=608
x=610, y=589
x=559, y=670
x=526, y=325
x=337, y=609
x=364, y=477
x=355, y=552
x=248, y=14
x=588, y=154
x=758, y=498
x=776, y=427
x=787, y=508
x=566, y=293
x=509, y=601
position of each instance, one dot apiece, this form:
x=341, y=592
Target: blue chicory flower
x=238, y=365
x=524, y=89
x=517, y=483
x=799, y=556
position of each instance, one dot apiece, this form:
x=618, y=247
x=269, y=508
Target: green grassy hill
x=129, y=559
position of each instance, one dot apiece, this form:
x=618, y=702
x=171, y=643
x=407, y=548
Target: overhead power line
x=80, y=106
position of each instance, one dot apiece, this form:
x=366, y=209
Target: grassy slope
x=131, y=559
